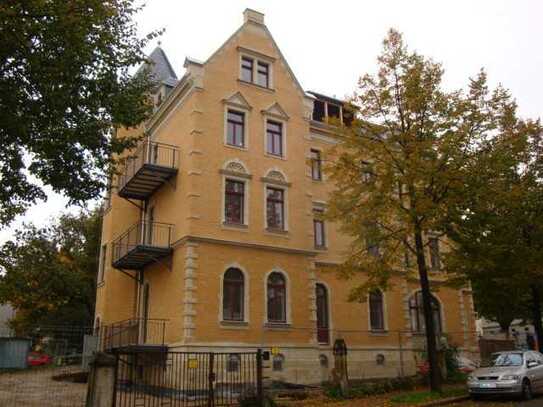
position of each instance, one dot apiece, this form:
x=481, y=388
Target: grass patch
x=418, y=397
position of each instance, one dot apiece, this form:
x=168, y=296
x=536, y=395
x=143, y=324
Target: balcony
x=152, y=165
x=142, y=244
x=134, y=334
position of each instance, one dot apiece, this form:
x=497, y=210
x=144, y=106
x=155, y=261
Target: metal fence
x=52, y=374
x=187, y=378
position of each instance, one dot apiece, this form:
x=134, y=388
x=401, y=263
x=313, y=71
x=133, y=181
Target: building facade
x=214, y=226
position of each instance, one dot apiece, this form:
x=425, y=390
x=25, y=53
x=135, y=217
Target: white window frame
x=256, y=59
x=320, y=151
x=238, y=109
x=283, y=122
x=246, y=201
x=102, y=265
x=287, y=298
x=285, y=206
x=385, y=314
x=330, y=318
x=246, y=296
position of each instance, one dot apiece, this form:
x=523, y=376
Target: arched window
x=277, y=298
x=416, y=313
x=233, y=295
x=377, y=312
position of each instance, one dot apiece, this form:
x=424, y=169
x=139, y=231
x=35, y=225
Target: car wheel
x=527, y=390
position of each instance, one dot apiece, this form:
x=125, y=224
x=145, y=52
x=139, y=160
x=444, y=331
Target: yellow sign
x=275, y=351
x=193, y=363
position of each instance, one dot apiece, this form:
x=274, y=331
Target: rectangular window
x=377, y=320
x=234, y=201
x=316, y=165
x=372, y=240
x=236, y=128
x=102, y=264
x=318, y=229
x=274, y=134
x=435, y=261
x=275, y=208
x=263, y=74
x=246, y=69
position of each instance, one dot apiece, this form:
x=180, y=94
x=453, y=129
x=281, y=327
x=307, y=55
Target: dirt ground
x=35, y=387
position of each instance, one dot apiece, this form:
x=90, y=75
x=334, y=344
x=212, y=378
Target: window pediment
x=235, y=168
x=275, y=177
x=276, y=111
x=237, y=100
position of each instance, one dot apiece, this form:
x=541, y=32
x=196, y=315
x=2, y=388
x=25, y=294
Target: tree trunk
x=431, y=345
x=536, y=311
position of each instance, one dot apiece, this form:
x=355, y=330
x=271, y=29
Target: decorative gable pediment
x=238, y=100
x=235, y=168
x=276, y=111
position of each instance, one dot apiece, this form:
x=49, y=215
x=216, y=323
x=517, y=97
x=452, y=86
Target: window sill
x=378, y=332
x=277, y=157
x=234, y=226
x=245, y=148
x=256, y=85
x=280, y=326
x=234, y=324
x=278, y=232
x=321, y=248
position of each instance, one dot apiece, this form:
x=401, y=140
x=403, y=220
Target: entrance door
x=323, y=319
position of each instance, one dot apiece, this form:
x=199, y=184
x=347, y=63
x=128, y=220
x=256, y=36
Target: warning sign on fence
x=193, y=363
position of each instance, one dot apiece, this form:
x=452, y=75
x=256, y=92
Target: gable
x=256, y=26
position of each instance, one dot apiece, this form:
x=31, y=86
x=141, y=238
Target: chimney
x=253, y=16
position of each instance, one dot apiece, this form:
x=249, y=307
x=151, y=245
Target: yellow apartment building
x=212, y=238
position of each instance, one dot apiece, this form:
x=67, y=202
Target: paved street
x=536, y=402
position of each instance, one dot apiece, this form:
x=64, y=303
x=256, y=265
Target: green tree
x=49, y=274
x=64, y=86
x=497, y=227
x=400, y=166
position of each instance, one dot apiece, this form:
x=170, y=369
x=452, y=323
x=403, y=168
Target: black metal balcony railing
x=150, y=167
x=136, y=332
x=141, y=245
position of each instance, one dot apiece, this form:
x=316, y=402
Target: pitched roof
x=161, y=69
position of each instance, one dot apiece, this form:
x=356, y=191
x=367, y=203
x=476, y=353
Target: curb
x=443, y=402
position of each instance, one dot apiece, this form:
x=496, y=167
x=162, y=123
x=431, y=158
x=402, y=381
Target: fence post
x=211, y=379
x=259, y=377
x=102, y=376
x=400, y=345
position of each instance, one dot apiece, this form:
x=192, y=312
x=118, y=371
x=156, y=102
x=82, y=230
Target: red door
x=323, y=320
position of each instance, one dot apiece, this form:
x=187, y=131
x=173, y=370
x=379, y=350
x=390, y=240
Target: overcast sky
x=330, y=44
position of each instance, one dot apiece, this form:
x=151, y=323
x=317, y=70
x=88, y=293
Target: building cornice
x=203, y=239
